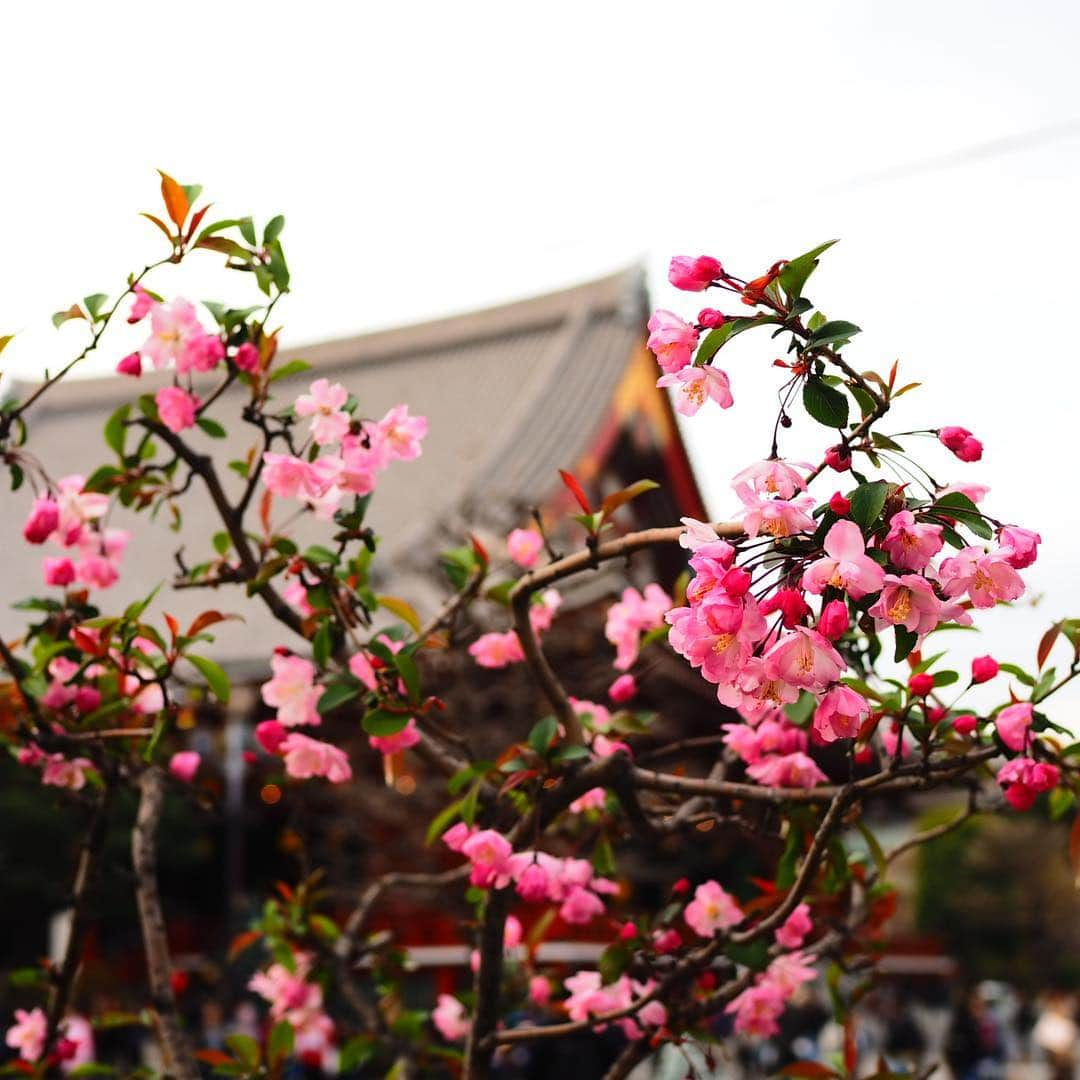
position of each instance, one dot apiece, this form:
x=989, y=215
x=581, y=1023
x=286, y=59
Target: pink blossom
x=77, y=508
x=539, y=991
x=533, y=884
x=176, y=407
x=178, y=337
x=295, y=595
x=834, y=620
x=804, y=658
x=787, y=770
x=146, y=699
x=490, y=854
x=712, y=909
x=847, y=566
x=961, y=442
x=766, y=478
x=672, y=339
x=1022, y=779
x=987, y=579
x=693, y=273
x=587, y=996
x=757, y=1010
x=306, y=757
x=1019, y=547
x=695, y=386
x=700, y=537
x=908, y=601
x=408, y=736
x=543, y=609
x=141, y=306
x=401, y=434
x=1013, y=722
x=840, y=714
x=58, y=571
x=778, y=517
x=270, y=734
x=184, y=765
x=27, y=1034
x=247, y=358
x=292, y=690
x=593, y=799
x=292, y=997
x=324, y=404
x=790, y=603
x=890, y=736
x=796, y=926
x=912, y=544
x=360, y=665
x=497, y=650
x=43, y=521
x=623, y=689
x=130, y=365
x=524, y=547
x=449, y=1018
x=788, y=972
x=62, y=772
x=592, y=714
x=291, y=477
x=580, y=906
x=633, y=615
x=454, y=837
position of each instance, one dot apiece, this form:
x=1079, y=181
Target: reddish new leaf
x=811, y=1070
x=208, y=618
x=1047, y=643
x=196, y=219
x=215, y=1057
x=243, y=941
x=159, y=223
x=1074, y=848
x=176, y=200
x=612, y=502
x=265, y=503
x=576, y=490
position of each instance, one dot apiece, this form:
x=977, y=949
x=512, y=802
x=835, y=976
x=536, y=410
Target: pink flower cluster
x=354, y=467
x=589, y=998
x=292, y=997
x=723, y=630
x=292, y=690
x=1022, y=780
x=176, y=337
x=70, y=518
x=673, y=341
x=757, y=1009
x=537, y=876
x=498, y=649
x=636, y=613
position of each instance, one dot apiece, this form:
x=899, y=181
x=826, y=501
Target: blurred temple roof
x=512, y=394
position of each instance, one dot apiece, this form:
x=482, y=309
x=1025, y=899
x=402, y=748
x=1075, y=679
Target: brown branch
x=937, y=831
x=486, y=986
x=85, y=872
x=178, y=1059
x=586, y=559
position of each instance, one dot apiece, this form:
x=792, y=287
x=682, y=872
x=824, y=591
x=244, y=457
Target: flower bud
x=838, y=458
x=839, y=505
x=43, y=520
x=247, y=358
x=694, y=273
x=921, y=684
x=130, y=365
x=983, y=669
x=834, y=620
x=709, y=318
x=736, y=581
x=270, y=734
x=623, y=689
x=966, y=724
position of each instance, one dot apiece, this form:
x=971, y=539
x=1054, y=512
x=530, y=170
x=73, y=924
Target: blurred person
x=973, y=1045
x=1055, y=1034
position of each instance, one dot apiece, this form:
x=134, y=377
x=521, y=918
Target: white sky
x=436, y=157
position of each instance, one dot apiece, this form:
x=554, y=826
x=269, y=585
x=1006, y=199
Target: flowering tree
x=800, y=611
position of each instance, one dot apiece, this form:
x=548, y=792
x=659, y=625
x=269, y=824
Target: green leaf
x=214, y=675
x=282, y=1037
x=322, y=645
x=826, y=405
x=883, y=442
x=794, y=276
x=720, y=335
x=338, y=693
x=875, y=849
x=867, y=502
x=287, y=371
x=273, y=229
x=222, y=542
x=211, y=427
x=543, y=735
x=247, y=229
x=833, y=333
x=116, y=429
x=905, y=642
x=381, y=722
x=959, y=507
x=410, y=675
x=613, y=962
x=245, y=1048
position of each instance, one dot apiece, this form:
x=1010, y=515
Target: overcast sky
x=435, y=157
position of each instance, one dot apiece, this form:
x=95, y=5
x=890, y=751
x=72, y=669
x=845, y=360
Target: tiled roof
x=511, y=394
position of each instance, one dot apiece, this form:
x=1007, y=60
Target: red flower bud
x=681, y=887
x=709, y=318
x=983, y=669
x=966, y=724
x=736, y=581
x=838, y=458
x=839, y=505
x=921, y=684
